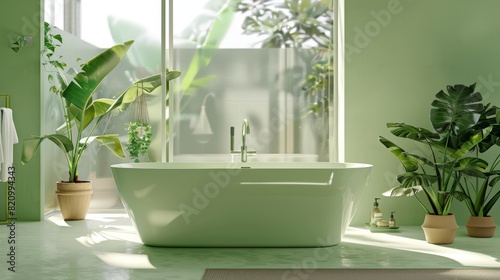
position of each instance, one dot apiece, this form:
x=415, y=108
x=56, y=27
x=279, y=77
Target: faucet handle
x=231, y=137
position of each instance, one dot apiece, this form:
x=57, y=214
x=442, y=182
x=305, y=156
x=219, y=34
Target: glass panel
x=266, y=61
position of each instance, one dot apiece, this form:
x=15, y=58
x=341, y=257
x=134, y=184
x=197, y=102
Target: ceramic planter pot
x=74, y=199
x=440, y=229
x=483, y=227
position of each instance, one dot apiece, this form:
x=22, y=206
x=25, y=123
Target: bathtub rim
x=233, y=165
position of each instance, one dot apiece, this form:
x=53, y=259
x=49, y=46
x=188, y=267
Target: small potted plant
x=139, y=131
x=436, y=174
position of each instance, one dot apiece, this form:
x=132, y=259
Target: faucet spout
x=245, y=130
x=244, y=152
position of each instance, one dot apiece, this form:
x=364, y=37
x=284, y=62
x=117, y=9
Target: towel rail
x=6, y=100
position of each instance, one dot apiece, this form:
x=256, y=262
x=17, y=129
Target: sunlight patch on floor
x=57, y=220
x=109, y=234
x=131, y=261
x=464, y=257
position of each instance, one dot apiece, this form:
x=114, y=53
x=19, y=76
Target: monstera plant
x=446, y=157
x=479, y=190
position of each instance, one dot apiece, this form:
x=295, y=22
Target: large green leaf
x=461, y=196
x=409, y=163
x=219, y=26
x=496, y=177
x=411, y=132
x=490, y=203
x=79, y=92
x=460, y=145
x=140, y=87
x=31, y=145
x=400, y=191
x=102, y=105
x=172, y=74
x=413, y=179
x=472, y=166
x=97, y=108
x=489, y=117
x=143, y=86
x=457, y=110
x=111, y=142
x=472, y=142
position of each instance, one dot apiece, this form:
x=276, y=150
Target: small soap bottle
x=392, y=221
x=375, y=214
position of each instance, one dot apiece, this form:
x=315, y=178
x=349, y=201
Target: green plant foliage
x=479, y=190
x=207, y=42
x=294, y=23
x=306, y=24
x=54, y=65
x=139, y=139
x=447, y=164
x=82, y=111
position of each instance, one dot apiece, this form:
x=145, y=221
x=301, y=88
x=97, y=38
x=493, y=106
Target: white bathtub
x=254, y=204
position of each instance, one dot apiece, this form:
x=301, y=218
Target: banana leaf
x=80, y=90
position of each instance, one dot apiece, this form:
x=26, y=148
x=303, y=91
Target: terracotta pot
x=74, y=199
x=483, y=227
x=440, y=229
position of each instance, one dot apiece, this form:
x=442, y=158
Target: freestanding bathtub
x=256, y=204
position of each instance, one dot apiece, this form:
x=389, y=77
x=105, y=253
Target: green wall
x=20, y=77
x=399, y=54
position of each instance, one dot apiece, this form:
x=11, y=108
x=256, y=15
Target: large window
x=268, y=61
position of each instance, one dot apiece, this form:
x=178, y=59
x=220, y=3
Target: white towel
x=8, y=138
x=1, y=149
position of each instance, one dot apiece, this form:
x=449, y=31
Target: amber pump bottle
x=392, y=221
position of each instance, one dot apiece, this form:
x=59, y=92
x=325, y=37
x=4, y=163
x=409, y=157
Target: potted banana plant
x=83, y=113
x=434, y=175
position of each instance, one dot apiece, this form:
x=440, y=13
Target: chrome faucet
x=245, y=129
x=244, y=152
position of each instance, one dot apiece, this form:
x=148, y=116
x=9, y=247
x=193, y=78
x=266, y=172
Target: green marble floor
x=106, y=246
